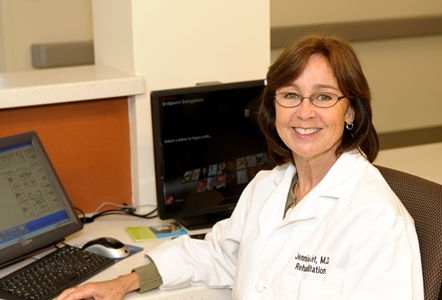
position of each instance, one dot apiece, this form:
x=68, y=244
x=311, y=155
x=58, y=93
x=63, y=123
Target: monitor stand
x=203, y=221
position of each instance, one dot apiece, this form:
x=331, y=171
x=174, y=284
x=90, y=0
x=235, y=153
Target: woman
x=323, y=224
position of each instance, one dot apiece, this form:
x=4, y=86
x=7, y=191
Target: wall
x=405, y=76
x=302, y=12
x=88, y=144
x=27, y=22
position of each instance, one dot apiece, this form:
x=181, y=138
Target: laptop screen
x=35, y=209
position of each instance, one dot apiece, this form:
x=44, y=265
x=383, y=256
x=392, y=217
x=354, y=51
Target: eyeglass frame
x=310, y=98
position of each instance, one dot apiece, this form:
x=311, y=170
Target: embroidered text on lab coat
x=310, y=264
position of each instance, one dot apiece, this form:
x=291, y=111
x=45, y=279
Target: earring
x=349, y=126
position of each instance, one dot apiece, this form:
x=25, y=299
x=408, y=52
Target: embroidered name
x=310, y=264
x=310, y=269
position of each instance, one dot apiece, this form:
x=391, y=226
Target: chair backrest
x=423, y=200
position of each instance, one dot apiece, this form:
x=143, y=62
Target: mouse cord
x=128, y=211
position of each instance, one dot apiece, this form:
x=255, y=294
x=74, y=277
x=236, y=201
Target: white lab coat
x=349, y=238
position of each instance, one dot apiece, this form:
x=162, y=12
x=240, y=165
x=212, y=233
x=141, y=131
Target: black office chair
x=423, y=200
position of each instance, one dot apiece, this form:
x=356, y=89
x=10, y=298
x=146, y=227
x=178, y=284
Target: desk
x=114, y=226
x=61, y=85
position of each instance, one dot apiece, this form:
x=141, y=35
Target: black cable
x=82, y=213
x=128, y=211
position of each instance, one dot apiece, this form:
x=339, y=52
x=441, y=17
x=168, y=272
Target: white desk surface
x=114, y=226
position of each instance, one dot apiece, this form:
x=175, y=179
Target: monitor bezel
x=208, y=213
x=20, y=251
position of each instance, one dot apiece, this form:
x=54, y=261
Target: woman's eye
x=292, y=96
x=323, y=97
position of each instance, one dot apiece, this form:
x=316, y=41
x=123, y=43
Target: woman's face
x=312, y=132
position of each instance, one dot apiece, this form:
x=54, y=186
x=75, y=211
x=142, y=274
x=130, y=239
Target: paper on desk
x=79, y=241
x=151, y=233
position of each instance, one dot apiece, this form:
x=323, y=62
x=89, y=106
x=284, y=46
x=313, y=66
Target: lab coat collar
x=344, y=175
x=339, y=183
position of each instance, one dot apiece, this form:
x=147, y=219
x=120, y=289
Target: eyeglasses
x=324, y=100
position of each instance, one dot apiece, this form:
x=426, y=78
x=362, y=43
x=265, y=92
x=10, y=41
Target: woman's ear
x=349, y=115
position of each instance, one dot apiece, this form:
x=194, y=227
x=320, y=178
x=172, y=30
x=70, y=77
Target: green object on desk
x=151, y=233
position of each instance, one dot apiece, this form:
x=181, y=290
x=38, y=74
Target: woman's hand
x=114, y=289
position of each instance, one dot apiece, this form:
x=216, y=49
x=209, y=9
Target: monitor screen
x=36, y=211
x=208, y=147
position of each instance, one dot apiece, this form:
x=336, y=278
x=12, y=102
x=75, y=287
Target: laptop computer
x=36, y=213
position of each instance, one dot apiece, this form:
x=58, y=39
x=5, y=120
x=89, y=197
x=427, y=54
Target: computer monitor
x=36, y=212
x=208, y=147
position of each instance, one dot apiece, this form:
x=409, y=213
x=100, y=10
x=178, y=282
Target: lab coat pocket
x=291, y=287
x=315, y=290
x=288, y=287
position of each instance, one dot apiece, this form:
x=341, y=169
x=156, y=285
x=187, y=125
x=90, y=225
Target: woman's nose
x=306, y=109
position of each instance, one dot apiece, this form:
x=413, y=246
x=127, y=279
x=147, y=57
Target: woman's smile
x=306, y=131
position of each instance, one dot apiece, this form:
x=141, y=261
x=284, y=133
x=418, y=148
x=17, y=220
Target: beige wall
x=27, y=22
x=405, y=76
x=306, y=12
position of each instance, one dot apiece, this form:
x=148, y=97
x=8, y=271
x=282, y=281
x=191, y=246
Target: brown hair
x=351, y=80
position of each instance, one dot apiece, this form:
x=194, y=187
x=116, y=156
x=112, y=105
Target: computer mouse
x=108, y=247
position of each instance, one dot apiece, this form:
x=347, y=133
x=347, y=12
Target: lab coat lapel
x=271, y=213
x=343, y=177
x=339, y=182
x=304, y=210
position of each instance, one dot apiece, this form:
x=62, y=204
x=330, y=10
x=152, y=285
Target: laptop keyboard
x=49, y=276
